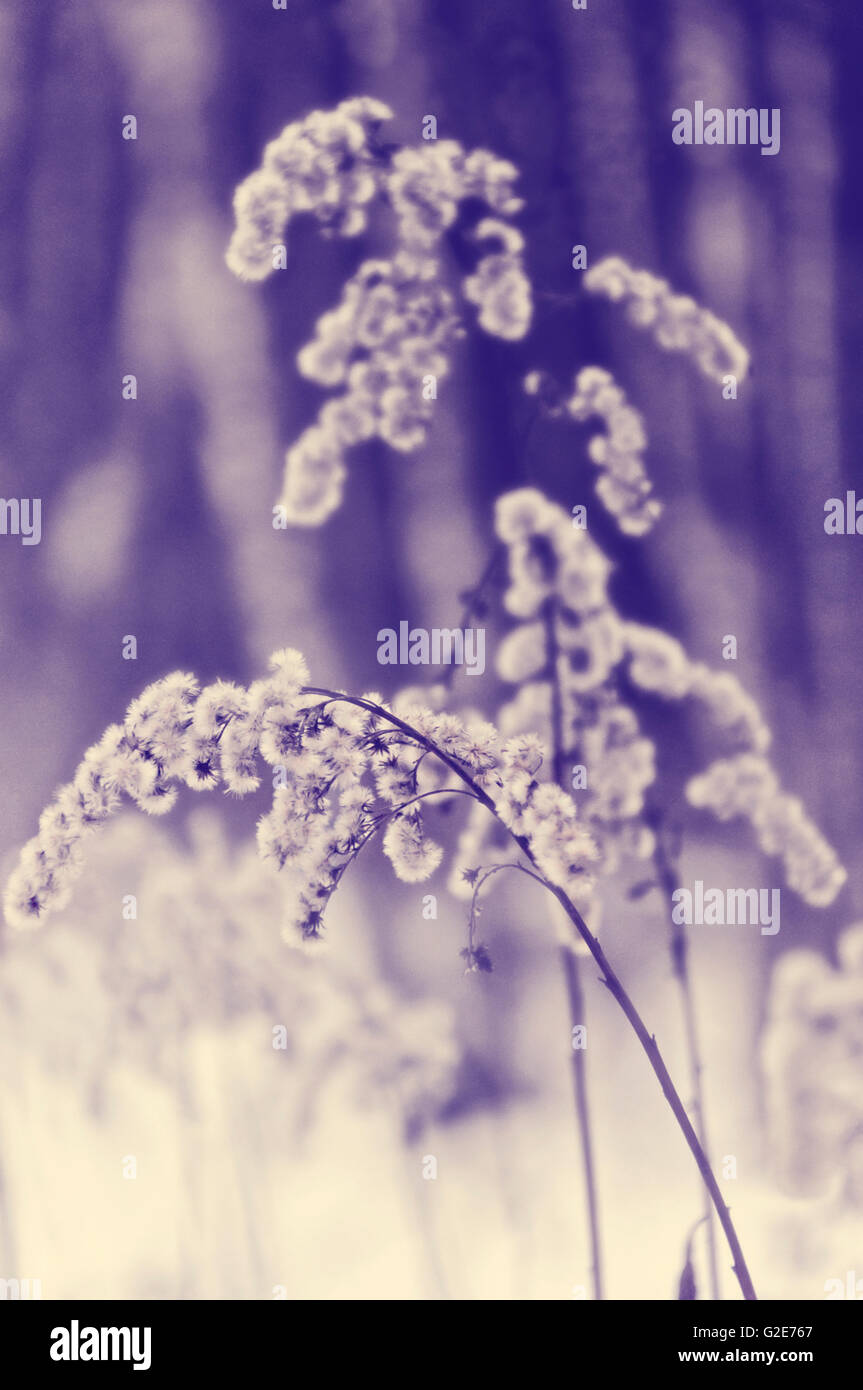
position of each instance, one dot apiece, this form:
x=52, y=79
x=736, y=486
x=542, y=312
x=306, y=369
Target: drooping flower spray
x=328, y=805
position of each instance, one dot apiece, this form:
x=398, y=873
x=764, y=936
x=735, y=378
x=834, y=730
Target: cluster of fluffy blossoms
x=343, y=770
x=676, y=321
x=209, y=967
x=571, y=640
x=623, y=486
x=746, y=785
x=509, y=771
x=743, y=784
x=499, y=287
x=812, y=1062
x=325, y=165
x=390, y=339
x=387, y=344
x=568, y=638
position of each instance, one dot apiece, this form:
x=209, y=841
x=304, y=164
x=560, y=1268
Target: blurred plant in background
x=168, y=971
x=812, y=1056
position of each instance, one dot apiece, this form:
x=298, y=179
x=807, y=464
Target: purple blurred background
x=157, y=512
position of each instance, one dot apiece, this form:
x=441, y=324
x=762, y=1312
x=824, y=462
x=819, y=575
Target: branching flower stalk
x=582, y=672
x=475, y=604
x=323, y=743
x=562, y=754
x=391, y=337
x=612, y=982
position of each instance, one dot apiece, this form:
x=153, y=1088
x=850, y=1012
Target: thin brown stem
x=474, y=600
x=481, y=880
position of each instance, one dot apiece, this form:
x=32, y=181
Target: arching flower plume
x=388, y=343
x=344, y=769
x=623, y=486
x=676, y=322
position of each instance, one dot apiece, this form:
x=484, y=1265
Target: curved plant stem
x=654, y=1056
x=483, y=879
x=608, y=977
